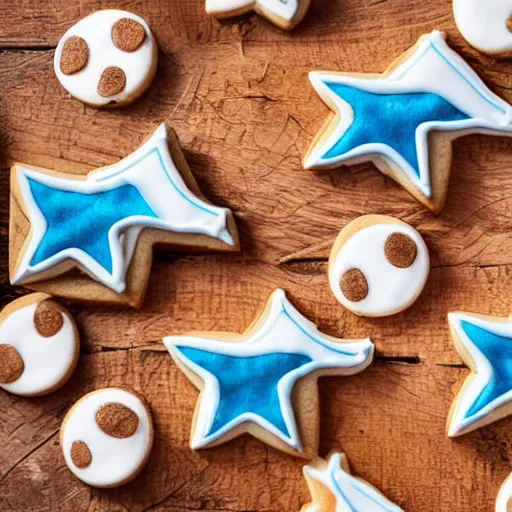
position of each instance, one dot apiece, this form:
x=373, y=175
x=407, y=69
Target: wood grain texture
x=238, y=96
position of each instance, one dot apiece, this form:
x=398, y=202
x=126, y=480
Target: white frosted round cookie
x=504, y=499
x=108, y=58
x=485, y=24
x=378, y=266
x=39, y=345
x=107, y=436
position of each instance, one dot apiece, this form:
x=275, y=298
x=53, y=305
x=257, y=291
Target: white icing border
x=152, y=171
x=480, y=378
x=284, y=330
x=338, y=481
x=433, y=68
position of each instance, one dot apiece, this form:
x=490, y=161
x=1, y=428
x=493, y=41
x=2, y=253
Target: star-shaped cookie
x=284, y=13
x=485, y=344
x=334, y=489
x=264, y=382
x=91, y=238
x=405, y=120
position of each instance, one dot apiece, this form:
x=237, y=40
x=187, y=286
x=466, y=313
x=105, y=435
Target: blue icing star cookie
x=485, y=345
x=334, y=489
x=404, y=119
x=94, y=224
x=247, y=385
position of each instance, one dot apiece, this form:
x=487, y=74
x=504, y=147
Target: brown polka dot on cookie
x=509, y=26
x=117, y=420
x=354, y=285
x=74, y=56
x=80, y=454
x=48, y=318
x=11, y=364
x=112, y=82
x=128, y=35
x=400, y=250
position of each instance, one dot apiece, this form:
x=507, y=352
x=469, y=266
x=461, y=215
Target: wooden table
x=237, y=93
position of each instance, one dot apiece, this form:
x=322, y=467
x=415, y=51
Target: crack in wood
x=294, y=264
x=157, y=347
x=398, y=359
x=452, y=365
x=25, y=49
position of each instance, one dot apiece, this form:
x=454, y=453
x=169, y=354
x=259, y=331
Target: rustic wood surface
x=237, y=93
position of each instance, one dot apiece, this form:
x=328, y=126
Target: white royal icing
x=351, y=493
x=284, y=331
x=152, y=171
x=505, y=496
x=484, y=24
x=390, y=289
x=46, y=360
x=96, y=30
x=113, y=460
x=482, y=374
x=432, y=68
x=285, y=9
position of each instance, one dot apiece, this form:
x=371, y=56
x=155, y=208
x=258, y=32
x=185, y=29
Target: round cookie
x=107, y=436
x=108, y=58
x=485, y=25
x=504, y=499
x=378, y=266
x=39, y=345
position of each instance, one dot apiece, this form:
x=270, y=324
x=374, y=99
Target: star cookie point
x=485, y=345
x=334, y=489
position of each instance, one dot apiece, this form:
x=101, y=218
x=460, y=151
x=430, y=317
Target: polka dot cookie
x=107, y=437
x=107, y=59
x=486, y=25
x=378, y=266
x=39, y=345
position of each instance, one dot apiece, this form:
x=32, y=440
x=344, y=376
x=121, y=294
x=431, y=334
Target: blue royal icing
x=485, y=345
x=83, y=221
x=498, y=351
x=247, y=384
x=390, y=119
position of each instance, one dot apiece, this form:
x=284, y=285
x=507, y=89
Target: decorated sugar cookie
x=334, y=489
x=485, y=344
x=485, y=25
x=106, y=223
x=405, y=119
x=108, y=58
x=107, y=436
x=504, y=500
x=39, y=345
x=284, y=13
x=247, y=381
x=378, y=266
